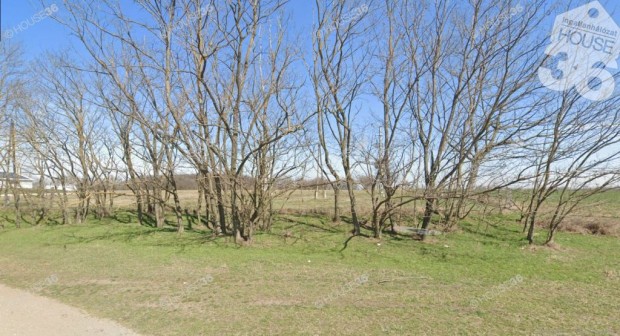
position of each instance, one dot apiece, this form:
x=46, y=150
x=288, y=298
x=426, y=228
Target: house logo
x=585, y=43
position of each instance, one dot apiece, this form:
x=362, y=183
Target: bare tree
x=389, y=157
x=575, y=157
x=469, y=101
x=12, y=91
x=338, y=77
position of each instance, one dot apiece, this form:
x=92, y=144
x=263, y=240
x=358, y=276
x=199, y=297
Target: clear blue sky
x=49, y=35
x=36, y=39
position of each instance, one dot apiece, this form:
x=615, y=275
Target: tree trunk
x=336, y=218
x=428, y=213
x=356, y=224
x=220, y=205
x=530, y=231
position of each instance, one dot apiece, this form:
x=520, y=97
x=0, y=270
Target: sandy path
x=25, y=314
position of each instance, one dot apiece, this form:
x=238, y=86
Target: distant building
x=12, y=179
x=68, y=187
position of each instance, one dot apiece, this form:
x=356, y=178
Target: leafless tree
x=575, y=157
x=389, y=157
x=12, y=92
x=339, y=74
x=469, y=101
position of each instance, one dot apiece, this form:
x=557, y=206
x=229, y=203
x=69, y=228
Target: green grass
x=122, y=271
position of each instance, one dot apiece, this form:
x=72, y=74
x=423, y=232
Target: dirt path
x=25, y=314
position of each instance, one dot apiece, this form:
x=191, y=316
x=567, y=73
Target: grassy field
x=601, y=210
x=480, y=279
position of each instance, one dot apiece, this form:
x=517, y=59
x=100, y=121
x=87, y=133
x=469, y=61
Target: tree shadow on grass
x=297, y=222
x=23, y=220
x=131, y=216
x=146, y=237
x=190, y=221
x=124, y=217
x=493, y=233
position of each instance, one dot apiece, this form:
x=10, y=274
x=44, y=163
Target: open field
x=482, y=278
x=478, y=280
x=599, y=214
x=276, y=167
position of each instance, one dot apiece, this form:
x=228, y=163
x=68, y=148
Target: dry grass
x=598, y=226
x=600, y=216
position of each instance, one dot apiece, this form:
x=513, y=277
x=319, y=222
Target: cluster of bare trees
x=214, y=91
x=436, y=102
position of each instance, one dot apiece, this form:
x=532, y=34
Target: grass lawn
x=478, y=280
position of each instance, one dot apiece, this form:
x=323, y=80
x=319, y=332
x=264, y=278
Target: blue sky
x=45, y=35
x=49, y=35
